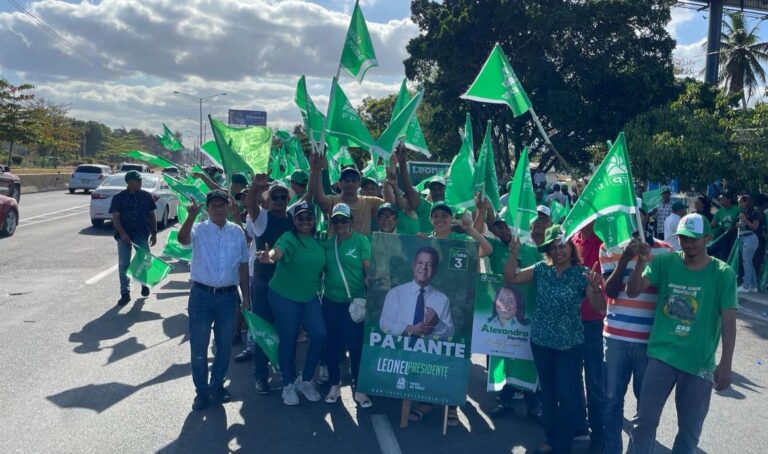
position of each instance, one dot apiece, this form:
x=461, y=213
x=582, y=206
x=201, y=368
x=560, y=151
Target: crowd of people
x=651, y=311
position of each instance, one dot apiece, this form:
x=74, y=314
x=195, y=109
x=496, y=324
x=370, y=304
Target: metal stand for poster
x=445, y=420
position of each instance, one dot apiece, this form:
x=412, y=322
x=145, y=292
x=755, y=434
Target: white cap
x=543, y=209
x=341, y=209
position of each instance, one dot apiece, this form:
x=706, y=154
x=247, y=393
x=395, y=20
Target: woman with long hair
x=508, y=308
x=748, y=226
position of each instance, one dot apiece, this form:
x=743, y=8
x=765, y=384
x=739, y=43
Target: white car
x=88, y=177
x=166, y=200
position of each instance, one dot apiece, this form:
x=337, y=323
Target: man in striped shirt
x=626, y=330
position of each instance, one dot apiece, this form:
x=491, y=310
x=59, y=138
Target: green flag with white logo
x=344, y=122
x=176, y=250
x=459, y=191
x=358, y=55
x=157, y=161
x=521, y=203
x=313, y=118
x=386, y=143
x=497, y=83
x=414, y=136
x=147, y=269
x=610, y=190
x=485, y=172
x=264, y=334
x=212, y=151
x=169, y=141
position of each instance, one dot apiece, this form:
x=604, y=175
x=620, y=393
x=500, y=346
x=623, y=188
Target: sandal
x=418, y=413
x=333, y=394
x=363, y=400
x=453, y=417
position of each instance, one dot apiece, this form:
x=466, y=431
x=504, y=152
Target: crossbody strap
x=341, y=270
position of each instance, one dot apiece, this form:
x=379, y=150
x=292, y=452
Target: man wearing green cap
x=133, y=215
x=697, y=301
x=299, y=180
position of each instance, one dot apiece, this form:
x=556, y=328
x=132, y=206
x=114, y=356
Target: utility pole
x=713, y=41
x=199, y=101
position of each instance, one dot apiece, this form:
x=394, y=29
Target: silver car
x=88, y=177
x=165, y=199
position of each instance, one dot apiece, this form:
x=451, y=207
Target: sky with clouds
x=141, y=51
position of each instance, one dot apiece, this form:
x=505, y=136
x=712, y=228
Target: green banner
x=502, y=326
x=176, y=250
x=263, y=334
x=147, y=269
x=418, y=330
x=520, y=373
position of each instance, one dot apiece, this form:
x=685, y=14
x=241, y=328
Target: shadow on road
x=100, y=397
x=97, y=231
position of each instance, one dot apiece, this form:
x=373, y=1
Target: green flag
x=147, y=269
x=168, y=140
x=156, y=161
x=344, y=122
x=278, y=167
x=414, y=136
x=375, y=171
x=211, y=150
x=734, y=258
x=615, y=228
x=231, y=161
x=251, y=144
x=313, y=118
x=498, y=84
x=609, y=190
x=397, y=128
x=485, y=180
x=459, y=192
x=283, y=135
x=176, y=250
x=358, y=55
x=557, y=211
x=520, y=373
x=188, y=191
x=264, y=334
x=521, y=208
x=652, y=199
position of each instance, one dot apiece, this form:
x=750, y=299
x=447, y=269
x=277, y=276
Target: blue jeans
x=692, y=395
x=260, y=306
x=623, y=361
x=594, y=375
x=343, y=334
x=208, y=310
x=289, y=316
x=124, y=259
x=559, y=374
x=748, y=248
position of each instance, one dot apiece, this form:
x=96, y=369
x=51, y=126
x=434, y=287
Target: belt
x=742, y=235
x=210, y=289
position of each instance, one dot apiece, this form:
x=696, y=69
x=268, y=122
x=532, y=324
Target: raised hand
x=193, y=210
x=263, y=256
x=514, y=246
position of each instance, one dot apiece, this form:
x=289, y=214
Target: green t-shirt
x=425, y=219
x=726, y=218
x=528, y=256
x=352, y=252
x=454, y=236
x=297, y=276
x=686, y=330
x=407, y=225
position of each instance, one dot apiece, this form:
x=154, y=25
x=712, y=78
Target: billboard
x=247, y=117
x=420, y=170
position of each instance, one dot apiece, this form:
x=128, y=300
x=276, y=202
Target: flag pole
x=549, y=142
x=328, y=110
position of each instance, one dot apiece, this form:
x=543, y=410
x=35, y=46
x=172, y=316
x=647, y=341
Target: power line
x=114, y=74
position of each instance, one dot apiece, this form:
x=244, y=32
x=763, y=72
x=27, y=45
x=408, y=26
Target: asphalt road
x=80, y=374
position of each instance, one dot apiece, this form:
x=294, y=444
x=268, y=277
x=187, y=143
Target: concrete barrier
x=41, y=182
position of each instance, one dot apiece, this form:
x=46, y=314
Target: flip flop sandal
x=418, y=413
x=332, y=397
x=453, y=417
x=364, y=402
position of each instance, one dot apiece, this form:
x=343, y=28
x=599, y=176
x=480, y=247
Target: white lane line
x=58, y=211
x=101, y=275
x=384, y=434
x=25, y=224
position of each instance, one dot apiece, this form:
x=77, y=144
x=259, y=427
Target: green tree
x=742, y=56
x=17, y=121
x=118, y=143
x=588, y=67
x=59, y=138
x=376, y=113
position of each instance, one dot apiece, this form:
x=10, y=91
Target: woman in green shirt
x=557, y=333
x=347, y=258
x=293, y=297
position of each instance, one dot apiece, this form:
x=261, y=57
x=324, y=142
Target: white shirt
x=217, y=253
x=400, y=306
x=670, y=227
x=559, y=196
x=250, y=229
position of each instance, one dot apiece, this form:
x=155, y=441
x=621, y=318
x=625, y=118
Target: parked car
x=165, y=199
x=9, y=215
x=10, y=184
x=88, y=177
x=128, y=166
x=172, y=171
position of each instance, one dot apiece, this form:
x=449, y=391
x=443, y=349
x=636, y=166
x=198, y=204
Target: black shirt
x=134, y=209
x=276, y=226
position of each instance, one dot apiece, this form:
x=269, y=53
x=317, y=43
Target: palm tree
x=741, y=57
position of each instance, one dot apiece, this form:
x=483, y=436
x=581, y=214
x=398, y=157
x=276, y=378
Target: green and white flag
x=313, y=118
x=397, y=128
x=414, y=136
x=264, y=334
x=521, y=204
x=231, y=161
x=485, y=172
x=459, y=191
x=251, y=144
x=734, y=258
x=344, y=122
x=211, y=150
x=652, y=199
x=157, y=161
x=497, y=83
x=147, y=269
x=610, y=190
x=169, y=141
x=358, y=55
x=520, y=373
x=189, y=191
x=295, y=154
x=176, y=250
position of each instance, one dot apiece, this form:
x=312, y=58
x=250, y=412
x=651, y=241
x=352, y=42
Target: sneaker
x=742, y=289
x=144, y=290
x=124, y=299
x=221, y=395
x=518, y=395
x=754, y=290
x=308, y=389
x=289, y=395
x=261, y=387
x=201, y=401
x=500, y=410
x=243, y=356
x=322, y=374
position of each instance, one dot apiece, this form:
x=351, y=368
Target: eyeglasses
x=339, y=220
x=277, y=197
x=305, y=218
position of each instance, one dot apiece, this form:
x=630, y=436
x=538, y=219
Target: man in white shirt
x=219, y=263
x=416, y=308
x=670, y=225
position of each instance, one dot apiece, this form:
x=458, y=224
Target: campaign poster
x=418, y=328
x=502, y=325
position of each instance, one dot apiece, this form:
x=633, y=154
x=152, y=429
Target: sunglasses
x=305, y=218
x=277, y=197
x=339, y=220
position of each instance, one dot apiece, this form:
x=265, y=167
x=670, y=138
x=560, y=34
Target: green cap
x=299, y=177
x=550, y=236
x=693, y=225
x=132, y=175
x=441, y=206
x=384, y=207
x=239, y=178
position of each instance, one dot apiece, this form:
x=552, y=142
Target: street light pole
x=199, y=101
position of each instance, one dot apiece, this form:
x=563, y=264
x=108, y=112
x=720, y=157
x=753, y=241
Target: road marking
x=384, y=434
x=58, y=211
x=101, y=275
x=25, y=224
x=482, y=414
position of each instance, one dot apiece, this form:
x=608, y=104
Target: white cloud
x=680, y=17
x=254, y=50
x=691, y=58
